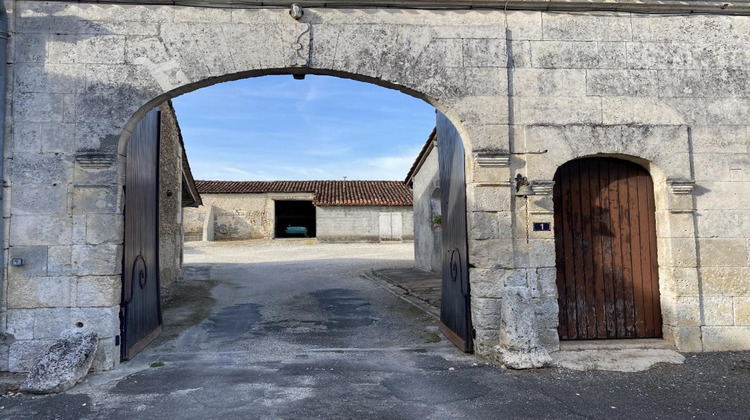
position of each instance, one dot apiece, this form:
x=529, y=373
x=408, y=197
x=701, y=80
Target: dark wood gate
x=605, y=240
x=455, y=316
x=141, y=308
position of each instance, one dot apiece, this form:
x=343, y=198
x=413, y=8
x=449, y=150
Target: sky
x=277, y=128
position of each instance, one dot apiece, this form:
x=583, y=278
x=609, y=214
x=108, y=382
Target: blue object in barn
x=296, y=230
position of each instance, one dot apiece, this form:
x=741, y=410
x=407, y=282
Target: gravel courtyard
x=291, y=329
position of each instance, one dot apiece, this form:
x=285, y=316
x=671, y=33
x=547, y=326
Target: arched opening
x=282, y=212
x=210, y=81
x=606, y=253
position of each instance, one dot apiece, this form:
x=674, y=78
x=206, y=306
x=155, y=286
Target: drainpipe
x=3, y=80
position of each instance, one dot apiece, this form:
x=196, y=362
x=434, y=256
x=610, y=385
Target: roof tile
x=327, y=193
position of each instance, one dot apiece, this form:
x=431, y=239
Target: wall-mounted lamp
x=296, y=11
x=523, y=187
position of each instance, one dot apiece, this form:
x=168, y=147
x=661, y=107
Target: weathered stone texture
x=723, y=252
x=65, y=363
x=40, y=168
x=622, y=83
x=587, y=27
x=556, y=110
x=550, y=82
x=40, y=230
x=40, y=292
x=98, y=291
x=104, y=228
x=40, y=199
x=742, y=311
x=24, y=354
x=102, y=260
x=104, y=320
x=725, y=338
x=170, y=197
x=428, y=236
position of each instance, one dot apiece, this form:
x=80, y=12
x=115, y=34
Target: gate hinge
x=122, y=319
x=474, y=333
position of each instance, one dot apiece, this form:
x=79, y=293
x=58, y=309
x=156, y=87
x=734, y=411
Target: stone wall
x=170, y=198
x=668, y=91
x=428, y=239
x=193, y=220
x=239, y=216
x=251, y=216
x=358, y=223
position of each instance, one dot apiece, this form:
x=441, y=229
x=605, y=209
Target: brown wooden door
x=141, y=319
x=605, y=240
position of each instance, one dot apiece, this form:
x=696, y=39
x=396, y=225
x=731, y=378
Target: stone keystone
x=65, y=364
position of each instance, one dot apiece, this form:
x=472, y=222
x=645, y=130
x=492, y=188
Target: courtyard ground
x=292, y=329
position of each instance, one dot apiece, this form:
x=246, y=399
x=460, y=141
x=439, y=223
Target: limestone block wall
x=428, y=244
x=670, y=92
x=358, y=223
x=236, y=216
x=526, y=90
x=192, y=223
x=170, y=198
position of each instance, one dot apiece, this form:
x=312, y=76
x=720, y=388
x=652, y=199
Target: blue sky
x=278, y=128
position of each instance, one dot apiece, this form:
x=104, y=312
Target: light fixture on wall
x=523, y=187
x=296, y=11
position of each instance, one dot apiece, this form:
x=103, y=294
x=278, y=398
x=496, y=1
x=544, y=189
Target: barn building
x=331, y=211
x=424, y=180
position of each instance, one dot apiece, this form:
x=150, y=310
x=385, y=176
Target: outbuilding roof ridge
x=327, y=193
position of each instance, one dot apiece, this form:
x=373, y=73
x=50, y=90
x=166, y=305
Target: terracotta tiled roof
x=327, y=193
x=426, y=149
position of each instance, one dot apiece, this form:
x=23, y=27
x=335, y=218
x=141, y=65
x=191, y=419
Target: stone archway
x=84, y=74
x=101, y=67
x=289, y=49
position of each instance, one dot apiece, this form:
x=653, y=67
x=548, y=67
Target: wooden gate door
x=391, y=226
x=605, y=240
x=141, y=308
x=455, y=316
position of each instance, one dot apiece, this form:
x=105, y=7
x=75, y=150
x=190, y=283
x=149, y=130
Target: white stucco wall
x=427, y=236
x=358, y=223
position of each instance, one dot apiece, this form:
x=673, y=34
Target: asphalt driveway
x=290, y=329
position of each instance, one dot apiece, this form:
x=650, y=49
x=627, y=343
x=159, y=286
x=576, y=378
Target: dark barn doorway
x=294, y=219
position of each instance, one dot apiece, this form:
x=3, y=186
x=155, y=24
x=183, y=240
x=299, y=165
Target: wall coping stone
x=736, y=7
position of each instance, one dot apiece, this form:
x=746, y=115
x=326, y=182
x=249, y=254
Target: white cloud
x=220, y=171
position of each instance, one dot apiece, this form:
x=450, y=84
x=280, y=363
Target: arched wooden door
x=605, y=240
